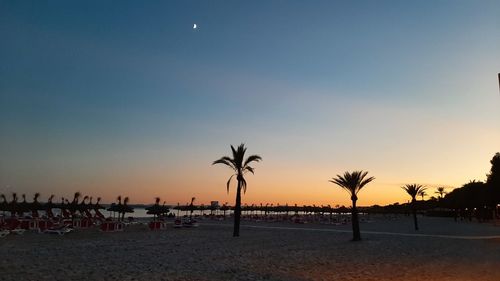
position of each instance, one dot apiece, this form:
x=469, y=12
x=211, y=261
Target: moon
x=195, y=26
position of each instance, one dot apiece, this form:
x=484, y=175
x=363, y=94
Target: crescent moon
x=195, y=26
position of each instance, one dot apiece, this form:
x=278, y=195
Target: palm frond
x=352, y=182
x=244, y=185
x=238, y=165
x=251, y=159
x=249, y=169
x=226, y=161
x=238, y=155
x=413, y=189
x=229, y=182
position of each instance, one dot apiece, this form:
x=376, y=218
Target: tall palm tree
x=414, y=190
x=240, y=167
x=353, y=183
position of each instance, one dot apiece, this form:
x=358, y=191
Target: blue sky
x=124, y=97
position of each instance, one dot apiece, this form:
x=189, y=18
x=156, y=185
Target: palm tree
x=414, y=190
x=353, y=183
x=441, y=192
x=240, y=167
x=191, y=208
x=422, y=193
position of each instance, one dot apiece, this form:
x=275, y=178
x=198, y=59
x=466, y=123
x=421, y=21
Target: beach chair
x=111, y=226
x=157, y=225
x=4, y=233
x=18, y=231
x=61, y=230
x=190, y=223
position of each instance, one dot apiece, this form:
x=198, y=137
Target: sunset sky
x=125, y=97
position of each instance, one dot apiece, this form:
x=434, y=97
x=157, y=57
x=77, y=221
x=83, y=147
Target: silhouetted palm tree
x=422, y=193
x=414, y=190
x=440, y=191
x=240, y=167
x=353, y=183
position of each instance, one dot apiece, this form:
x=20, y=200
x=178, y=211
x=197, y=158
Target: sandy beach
x=265, y=251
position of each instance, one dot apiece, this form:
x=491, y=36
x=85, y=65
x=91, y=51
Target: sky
x=125, y=98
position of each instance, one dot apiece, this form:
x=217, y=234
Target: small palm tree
x=414, y=190
x=441, y=192
x=422, y=194
x=353, y=183
x=240, y=167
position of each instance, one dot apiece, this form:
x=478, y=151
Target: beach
x=265, y=251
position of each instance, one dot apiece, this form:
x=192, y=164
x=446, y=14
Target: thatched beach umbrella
x=158, y=210
x=120, y=208
x=73, y=206
x=4, y=205
x=97, y=207
x=35, y=206
x=192, y=207
x=84, y=207
x=224, y=208
x=155, y=209
x=49, y=206
x=24, y=206
x=125, y=208
x=115, y=207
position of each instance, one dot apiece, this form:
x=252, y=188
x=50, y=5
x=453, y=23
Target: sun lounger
x=60, y=230
x=111, y=226
x=18, y=231
x=4, y=233
x=157, y=225
x=190, y=223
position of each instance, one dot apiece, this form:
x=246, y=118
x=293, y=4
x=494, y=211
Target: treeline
x=475, y=199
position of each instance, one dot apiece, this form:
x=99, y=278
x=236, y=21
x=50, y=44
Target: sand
x=265, y=251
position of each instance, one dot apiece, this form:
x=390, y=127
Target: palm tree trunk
x=414, y=209
x=237, y=211
x=356, y=235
